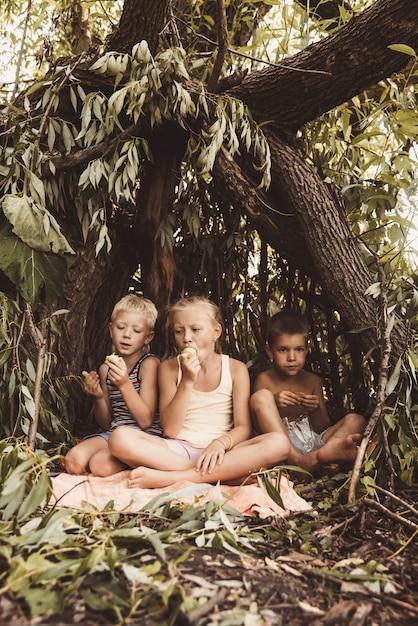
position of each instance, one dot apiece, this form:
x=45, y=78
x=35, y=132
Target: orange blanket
x=72, y=491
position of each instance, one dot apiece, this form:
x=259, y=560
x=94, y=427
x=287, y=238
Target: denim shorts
x=156, y=431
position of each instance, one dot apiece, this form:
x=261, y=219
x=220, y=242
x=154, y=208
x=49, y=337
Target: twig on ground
x=329, y=530
x=390, y=514
x=396, y=499
x=201, y=611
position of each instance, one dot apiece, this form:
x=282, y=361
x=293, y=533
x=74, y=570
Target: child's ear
x=268, y=350
x=218, y=330
x=150, y=336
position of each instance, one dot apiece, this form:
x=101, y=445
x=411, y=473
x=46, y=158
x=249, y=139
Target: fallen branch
x=201, y=611
x=310, y=573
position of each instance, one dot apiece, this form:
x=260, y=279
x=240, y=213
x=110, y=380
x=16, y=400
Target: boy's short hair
x=286, y=322
x=142, y=306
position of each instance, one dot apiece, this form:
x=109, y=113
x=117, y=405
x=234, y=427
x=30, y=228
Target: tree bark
x=141, y=19
x=328, y=73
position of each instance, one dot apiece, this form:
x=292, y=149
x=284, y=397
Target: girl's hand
x=118, y=372
x=211, y=456
x=190, y=365
x=92, y=384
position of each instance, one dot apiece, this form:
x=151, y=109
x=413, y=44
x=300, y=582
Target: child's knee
x=73, y=464
x=115, y=441
x=260, y=398
x=355, y=421
x=121, y=439
x=100, y=466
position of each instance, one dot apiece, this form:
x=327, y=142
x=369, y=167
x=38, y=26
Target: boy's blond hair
x=142, y=306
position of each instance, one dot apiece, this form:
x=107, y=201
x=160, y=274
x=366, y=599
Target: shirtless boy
x=288, y=399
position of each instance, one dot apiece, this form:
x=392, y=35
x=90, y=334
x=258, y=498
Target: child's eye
x=178, y=331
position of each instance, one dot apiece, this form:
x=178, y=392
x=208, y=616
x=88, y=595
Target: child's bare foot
x=148, y=478
x=339, y=449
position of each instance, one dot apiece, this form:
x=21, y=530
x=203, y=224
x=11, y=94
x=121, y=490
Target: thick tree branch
x=300, y=217
x=353, y=58
x=82, y=157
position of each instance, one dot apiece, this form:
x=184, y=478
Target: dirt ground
x=353, y=566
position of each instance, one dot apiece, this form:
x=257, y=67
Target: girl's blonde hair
x=140, y=305
x=209, y=307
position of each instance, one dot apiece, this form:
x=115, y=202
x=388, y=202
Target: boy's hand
x=310, y=402
x=118, y=372
x=293, y=398
x=92, y=384
x=287, y=398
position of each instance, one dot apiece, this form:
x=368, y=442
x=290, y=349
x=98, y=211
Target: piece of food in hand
x=109, y=355
x=300, y=394
x=189, y=351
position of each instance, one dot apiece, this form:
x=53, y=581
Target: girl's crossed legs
x=155, y=465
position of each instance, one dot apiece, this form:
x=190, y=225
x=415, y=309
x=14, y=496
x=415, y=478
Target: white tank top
x=209, y=414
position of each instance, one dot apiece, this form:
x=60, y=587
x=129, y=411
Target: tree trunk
x=155, y=203
x=141, y=19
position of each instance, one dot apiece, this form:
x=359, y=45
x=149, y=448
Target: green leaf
x=31, y=270
x=401, y=47
x=393, y=380
x=27, y=219
x=41, y=601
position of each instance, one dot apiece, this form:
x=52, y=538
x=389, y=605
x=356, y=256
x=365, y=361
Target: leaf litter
x=205, y=565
